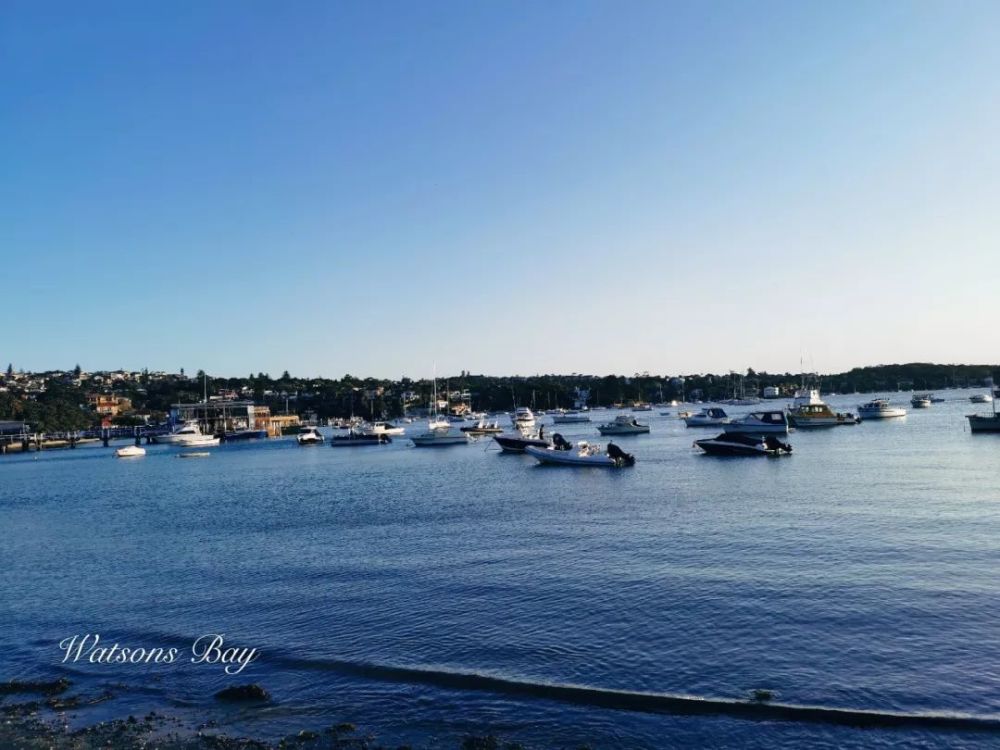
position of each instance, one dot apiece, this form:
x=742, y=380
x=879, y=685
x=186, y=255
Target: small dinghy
x=736, y=444
x=194, y=454
x=585, y=455
x=131, y=451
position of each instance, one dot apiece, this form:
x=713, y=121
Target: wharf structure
x=219, y=417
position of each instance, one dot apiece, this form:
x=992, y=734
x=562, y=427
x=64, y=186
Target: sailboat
x=439, y=432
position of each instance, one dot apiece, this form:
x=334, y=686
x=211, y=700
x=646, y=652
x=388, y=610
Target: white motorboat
x=880, y=408
x=438, y=423
x=130, y=451
x=759, y=423
x=744, y=445
x=921, y=401
x=585, y=455
x=981, y=398
x=381, y=428
x=809, y=410
x=309, y=436
x=571, y=416
x=523, y=418
x=710, y=417
x=197, y=441
x=623, y=424
x=185, y=431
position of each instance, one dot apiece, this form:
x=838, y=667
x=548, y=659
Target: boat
x=197, y=441
x=523, y=418
x=984, y=422
x=584, y=455
x=381, y=428
x=981, y=398
x=936, y=399
x=571, y=416
x=309, y=436
x=130, y=451
x=236, y=435
x=642, y=407
x=186, y=430
x=194, y=454
x=921, y=401
x=623, y=424
x=482, y=427
x=728, y=444
x=356, y=438
x=518, y=441
x=435, y=438
x=710, y=417
x=809, y=410
x=880, y=408
x=759, y=423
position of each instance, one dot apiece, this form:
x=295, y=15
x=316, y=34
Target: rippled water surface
x=861, y=572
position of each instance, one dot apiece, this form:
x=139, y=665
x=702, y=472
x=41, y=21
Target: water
x=861, y=572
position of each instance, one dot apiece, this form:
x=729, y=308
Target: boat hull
x=518, y=444
x=354, y=441
x=984, y=422
x=438, y=441
x=569, y=458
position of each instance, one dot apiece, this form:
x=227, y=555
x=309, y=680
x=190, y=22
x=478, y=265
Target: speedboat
x=759, y=423
x=130, y=451
x=517, y=442
x=711, y=417
x=623, y=425
x=381, y=428
x=981, y=398
x=197, y=441
x=728, y=444
x=309, y=436
x=921, y=401
x=187, y=430
x=523, y=418
x=482, y=427
x=809, y=410
x=879, y=408
x=584, y=455
x=570, y=417
x=355, y=438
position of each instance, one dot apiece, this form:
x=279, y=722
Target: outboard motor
x=560, y=443
x=621, y=458
x=776, y=445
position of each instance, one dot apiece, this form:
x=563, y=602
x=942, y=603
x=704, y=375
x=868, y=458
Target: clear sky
x=502, y=187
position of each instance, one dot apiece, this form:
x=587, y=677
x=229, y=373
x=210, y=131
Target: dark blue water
x=861, y=572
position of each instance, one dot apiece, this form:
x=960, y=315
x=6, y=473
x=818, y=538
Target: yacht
x=921, y=401
x=435, y=438
x=710, y=417
x=809, y=410
x=187, y=430
x=759, y=423
x=523, y=418
x=879, y=408
x=381, y=428
x=571, y=416
x=981, y=398
x=623, y=425
x=309, y=436
x=744, y=445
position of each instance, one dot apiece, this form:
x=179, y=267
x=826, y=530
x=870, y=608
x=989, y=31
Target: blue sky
x=500, y=187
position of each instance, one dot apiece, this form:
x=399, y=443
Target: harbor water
x=427, y=594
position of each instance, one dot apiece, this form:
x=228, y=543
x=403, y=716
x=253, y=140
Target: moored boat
x=921, y=401
x=623, y=425
x=759, y=423
x=571, y=416
x=710, y=417
x=179, y=434
x=523, y=418
x=809, y=410
x=585, y=455
x=356, y=438
x=984, y=422
x=237, y=435
x=880, y=408
x=130, y=451
x=382, y=428
x=197, y=441
x=981, y=398
x=482, y=427
x=309, y=436
x=194, y=454
x=728, y=444
x=439, y=438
